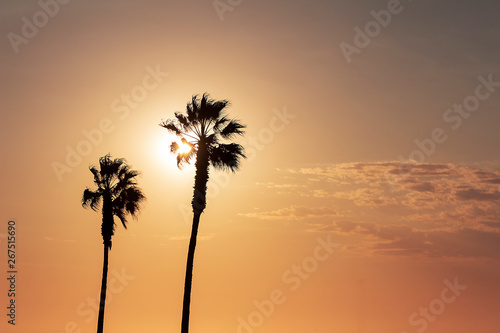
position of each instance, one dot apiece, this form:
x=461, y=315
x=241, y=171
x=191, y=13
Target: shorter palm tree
x=118, y=192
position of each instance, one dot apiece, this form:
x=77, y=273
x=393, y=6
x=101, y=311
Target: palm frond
x=191, y=116
x=190, y=155
x=120, y=213
x=180, y=161
x=174, y=146
x=232, y=128
x=185, y=158
x=134, y=199
x=91, y=199
x=184, y=141
x=204, y=100
x=186, y=124
x=128, y=202
x=171, y=127
x=219, y=123
x=227, y=156
x=109, y=166
x=211, y=110
x=126, y=178
x=218, y=107
x=96, y=174
x=212, y=139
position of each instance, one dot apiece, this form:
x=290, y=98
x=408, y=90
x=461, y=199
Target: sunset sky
x=369, y=201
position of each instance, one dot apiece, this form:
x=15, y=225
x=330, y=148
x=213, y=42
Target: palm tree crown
x=205, y=127
x=117, y=190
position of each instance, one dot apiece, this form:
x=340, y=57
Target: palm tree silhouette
x=117, y=190
x=204, y=128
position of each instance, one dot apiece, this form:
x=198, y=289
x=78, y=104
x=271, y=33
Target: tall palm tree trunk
x=189, y=275
x=100, y=320
x=198, y=203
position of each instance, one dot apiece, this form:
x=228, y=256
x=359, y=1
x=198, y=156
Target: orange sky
x=328, y=227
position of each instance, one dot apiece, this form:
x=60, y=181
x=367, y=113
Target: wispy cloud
x=369, y=197
x=478, y=194
x=429, y=209
x=415, y=186
x=403, y=240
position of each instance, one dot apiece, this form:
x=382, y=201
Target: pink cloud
x=404, y=240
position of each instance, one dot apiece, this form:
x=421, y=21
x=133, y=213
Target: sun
x=159, y=152
x=184, y=148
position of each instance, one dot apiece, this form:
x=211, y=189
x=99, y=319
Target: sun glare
x=161, y=148
x=183, y=148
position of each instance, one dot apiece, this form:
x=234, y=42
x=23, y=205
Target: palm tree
x=204, y=129
x=117, y=190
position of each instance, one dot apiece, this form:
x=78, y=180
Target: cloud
x=423, y=169
x=492, y=181
x=293, y=213
x=435, y=210
x=459, y=243
x=424, y=187
x=430, y=186
x=378, y=231
x=477, y=194
x=378, y=171
x=279, y=186
x=317, y=193
x=402, y=240
x=491, y=224
x=488, y=177
x=369, y=197
x=398, y=173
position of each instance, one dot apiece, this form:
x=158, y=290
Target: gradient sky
x=329, y=140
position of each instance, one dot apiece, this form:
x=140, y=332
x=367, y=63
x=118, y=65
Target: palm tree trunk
x=189, y=274
x=198, y=203
x=100, y=320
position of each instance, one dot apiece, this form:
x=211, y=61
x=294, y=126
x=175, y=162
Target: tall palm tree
x=204, y=129
x=118, y=192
